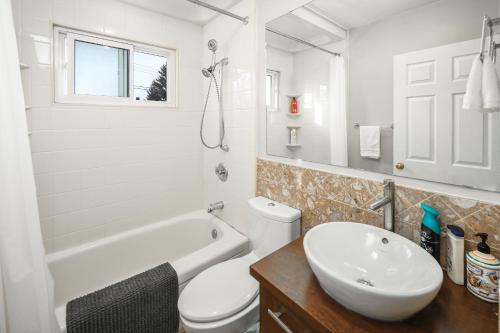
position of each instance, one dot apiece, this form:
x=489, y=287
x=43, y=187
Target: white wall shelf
x=293, y=147
x=293, y=126
x=293, y=95
x=297, y=114
x=23, y=66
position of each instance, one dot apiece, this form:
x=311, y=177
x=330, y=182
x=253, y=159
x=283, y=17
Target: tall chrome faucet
x=215, y=206
x=387, y=201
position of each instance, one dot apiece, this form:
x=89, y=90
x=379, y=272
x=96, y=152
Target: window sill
x=106, y=102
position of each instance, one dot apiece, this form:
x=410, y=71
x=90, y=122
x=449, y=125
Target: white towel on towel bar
x=369, y=141
x=490, y=87
x=473, y=99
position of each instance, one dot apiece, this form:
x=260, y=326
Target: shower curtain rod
x=282, y=34
x=219, y=10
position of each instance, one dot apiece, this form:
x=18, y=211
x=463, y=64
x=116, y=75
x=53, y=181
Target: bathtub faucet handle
x=215, y=206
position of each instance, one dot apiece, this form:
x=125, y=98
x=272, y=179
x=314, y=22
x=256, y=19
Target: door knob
x=400, y=165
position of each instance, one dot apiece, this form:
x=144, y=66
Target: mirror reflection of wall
x=372, y=48
x=420, y=142
x=307, y=76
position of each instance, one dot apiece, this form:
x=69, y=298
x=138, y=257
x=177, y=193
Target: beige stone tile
x=264, y=188
x=323, y=211
x=407, y=197
x=412, y=215
x=365, y=216
x=263, y=169
x=462, y=207
x=288, y=177
x=485, y=220
x=359, y=192
x=306, y=181
x=327, y=210
x=324, y=197
x=323, y=184
x=343, y=212
x=277, y=172
x=404, y=229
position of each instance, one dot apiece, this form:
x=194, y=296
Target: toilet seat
x=220, y=291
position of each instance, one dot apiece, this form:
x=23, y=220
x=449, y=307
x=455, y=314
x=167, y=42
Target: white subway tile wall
x=101, y=170
x=236, y=41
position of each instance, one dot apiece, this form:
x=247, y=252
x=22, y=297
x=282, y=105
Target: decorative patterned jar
x=483, y=272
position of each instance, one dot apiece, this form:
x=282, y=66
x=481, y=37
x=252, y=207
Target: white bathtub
x=185, y=241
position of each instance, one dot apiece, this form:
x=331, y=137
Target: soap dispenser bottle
x=430, y=234
x=293, y=105
x=293, y=136
x=482, y=271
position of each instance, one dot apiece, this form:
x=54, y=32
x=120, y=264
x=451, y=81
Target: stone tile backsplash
x=324, y=197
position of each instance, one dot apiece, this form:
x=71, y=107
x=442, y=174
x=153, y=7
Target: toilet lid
x=220, y=291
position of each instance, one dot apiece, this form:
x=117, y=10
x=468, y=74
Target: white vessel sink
x=372, y=271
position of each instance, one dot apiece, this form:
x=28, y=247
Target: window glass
x=100, y=70
x=269, y=89
x=272, y=90
x=94, y=69
x=150, y=77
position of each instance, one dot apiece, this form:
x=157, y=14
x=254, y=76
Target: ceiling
x=183, y=9
x=356, y=13
x=346, y=14
x=299, y=28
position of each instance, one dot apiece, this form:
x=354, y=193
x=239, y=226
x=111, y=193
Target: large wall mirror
x=379, y=86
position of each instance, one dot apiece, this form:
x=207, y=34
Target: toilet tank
x=272, y=225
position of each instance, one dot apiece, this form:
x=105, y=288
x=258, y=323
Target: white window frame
x=275, y=90
x=64, y=71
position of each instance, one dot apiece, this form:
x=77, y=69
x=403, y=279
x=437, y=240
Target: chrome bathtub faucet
x=387, y=201
x=219, y=205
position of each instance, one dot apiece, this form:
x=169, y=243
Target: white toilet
x=224, y=298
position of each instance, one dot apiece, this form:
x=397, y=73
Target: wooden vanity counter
x=288, y=286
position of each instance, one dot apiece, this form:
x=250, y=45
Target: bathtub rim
x=88, y=246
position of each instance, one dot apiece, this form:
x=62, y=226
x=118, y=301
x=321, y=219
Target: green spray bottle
x=430, y=234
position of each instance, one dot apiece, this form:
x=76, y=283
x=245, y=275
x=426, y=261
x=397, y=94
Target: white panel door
x=434, y=138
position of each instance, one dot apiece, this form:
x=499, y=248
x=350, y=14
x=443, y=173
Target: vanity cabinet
x=291, y=300
x=275, y=316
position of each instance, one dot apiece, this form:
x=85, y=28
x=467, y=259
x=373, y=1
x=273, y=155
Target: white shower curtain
x=26, y=298
x=338, y=116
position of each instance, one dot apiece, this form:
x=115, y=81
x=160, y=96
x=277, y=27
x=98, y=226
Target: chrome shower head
x=212, y=45
x=207, y=72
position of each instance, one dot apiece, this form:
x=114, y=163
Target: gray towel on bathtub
x=144, y=303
